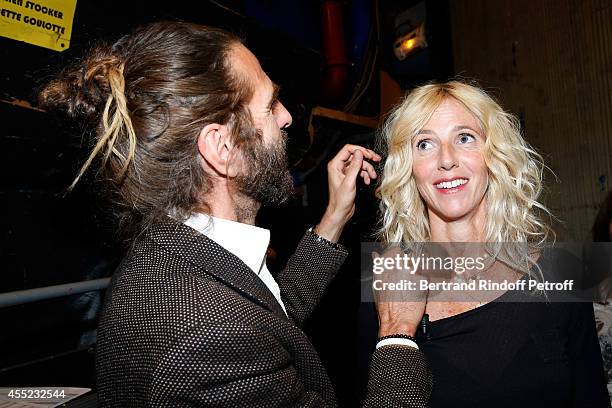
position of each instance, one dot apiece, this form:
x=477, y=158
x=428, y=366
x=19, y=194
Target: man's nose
x=448, y=158
x=283, y=117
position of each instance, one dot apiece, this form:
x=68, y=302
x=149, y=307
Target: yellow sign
x=46, y=23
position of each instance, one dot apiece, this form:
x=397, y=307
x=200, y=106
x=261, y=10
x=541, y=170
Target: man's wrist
x=405, y=329
x=325, y=241
x=330, y=227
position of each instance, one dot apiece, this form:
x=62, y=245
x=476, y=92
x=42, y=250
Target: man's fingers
x=355, y=166
x=349, y=149
x=339, y=161
x=367, y=153
x=365, y=176
x=367, y=167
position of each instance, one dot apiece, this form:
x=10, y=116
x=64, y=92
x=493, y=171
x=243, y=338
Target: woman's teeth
x=451, y=184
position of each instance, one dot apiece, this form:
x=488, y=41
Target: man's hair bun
x=83, y=88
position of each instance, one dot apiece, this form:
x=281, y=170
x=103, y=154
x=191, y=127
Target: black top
x=516, y=354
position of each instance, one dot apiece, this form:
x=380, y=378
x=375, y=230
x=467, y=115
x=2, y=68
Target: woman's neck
x=467, y=229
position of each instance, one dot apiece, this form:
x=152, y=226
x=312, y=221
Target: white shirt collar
x=248, y=242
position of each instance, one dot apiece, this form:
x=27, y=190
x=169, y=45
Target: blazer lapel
x=215, y=260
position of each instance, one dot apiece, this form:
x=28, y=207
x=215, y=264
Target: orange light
x=408, y=44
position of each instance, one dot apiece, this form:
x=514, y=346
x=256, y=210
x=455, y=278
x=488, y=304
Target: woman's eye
x=466, y=138
x=423, y=144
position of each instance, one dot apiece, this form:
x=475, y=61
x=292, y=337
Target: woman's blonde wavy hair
x=515, y=171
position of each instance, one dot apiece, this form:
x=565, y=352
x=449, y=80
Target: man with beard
x=191, y=140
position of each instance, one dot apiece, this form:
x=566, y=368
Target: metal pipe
x=336, y=63
x=21, y=297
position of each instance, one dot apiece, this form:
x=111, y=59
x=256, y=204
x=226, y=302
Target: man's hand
x=397, y=316
x=342, y=173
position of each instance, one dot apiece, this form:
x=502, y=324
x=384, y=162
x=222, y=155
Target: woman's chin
x=453, y=214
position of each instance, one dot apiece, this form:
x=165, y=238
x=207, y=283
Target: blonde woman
x=458, y=170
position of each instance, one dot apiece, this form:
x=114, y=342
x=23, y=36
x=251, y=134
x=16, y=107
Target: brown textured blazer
x=187, y=324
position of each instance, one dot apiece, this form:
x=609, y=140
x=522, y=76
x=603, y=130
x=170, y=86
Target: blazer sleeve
x=399, y=377
x=236, y=365
x=307, y=274
x=585, y=356
x=229, y=365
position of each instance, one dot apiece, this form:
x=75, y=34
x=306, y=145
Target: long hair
x=515, y=170
x=148, y=96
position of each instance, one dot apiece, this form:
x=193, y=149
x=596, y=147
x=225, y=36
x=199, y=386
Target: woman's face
x=449, y=166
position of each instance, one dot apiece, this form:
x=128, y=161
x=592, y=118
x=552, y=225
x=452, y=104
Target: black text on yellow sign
x=46, y=23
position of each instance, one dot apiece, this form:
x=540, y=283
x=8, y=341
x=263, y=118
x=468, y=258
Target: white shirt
x=247, y=242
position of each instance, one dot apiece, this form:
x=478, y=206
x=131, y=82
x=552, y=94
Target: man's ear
x=215, y=147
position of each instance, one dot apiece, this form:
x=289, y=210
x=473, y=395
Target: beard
x=266, y=178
